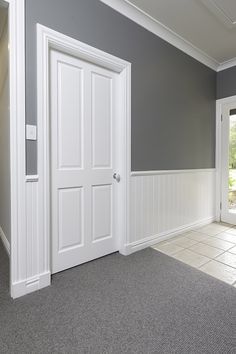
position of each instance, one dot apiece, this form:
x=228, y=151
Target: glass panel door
x=228, y=164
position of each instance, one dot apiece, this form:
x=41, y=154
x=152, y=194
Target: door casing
x=220, y=104
x=48, y=39
x=18, y=258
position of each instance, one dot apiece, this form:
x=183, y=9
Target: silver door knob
x=116, y=176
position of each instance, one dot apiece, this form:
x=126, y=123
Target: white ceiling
x=226, y=8
x=209, y=25
x=3, y=15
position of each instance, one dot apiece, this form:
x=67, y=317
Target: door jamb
x=48, y=39
x=219, y=105
x=18, y=258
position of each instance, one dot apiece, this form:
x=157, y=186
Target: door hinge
x=220, y=205
x=221, y=117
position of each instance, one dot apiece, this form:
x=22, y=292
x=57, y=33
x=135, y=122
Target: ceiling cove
x=226, y=13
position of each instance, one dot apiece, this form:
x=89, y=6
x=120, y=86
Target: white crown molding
x=227, y=64
x=151, y=24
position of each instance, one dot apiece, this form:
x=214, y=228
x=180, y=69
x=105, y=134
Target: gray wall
x=173, y=95
x=226, y=83
x=5, y=196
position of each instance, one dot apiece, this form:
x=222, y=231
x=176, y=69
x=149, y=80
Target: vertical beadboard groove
x=165, y=203
x=32, y=219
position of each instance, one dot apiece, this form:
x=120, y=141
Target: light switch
x=31, y=132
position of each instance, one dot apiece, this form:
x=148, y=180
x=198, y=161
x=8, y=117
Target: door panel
x=101, y=120
x=70, y=115
x=83, y=160
x=102, y=212
x=70, y=218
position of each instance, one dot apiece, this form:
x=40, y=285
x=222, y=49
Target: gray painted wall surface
x=173, y=95
x=5, y=188
x=226, y=83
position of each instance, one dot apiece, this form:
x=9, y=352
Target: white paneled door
x=84, y=158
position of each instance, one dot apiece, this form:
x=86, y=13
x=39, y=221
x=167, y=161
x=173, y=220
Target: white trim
x=219, y=112
x=227, y=64
x=226, y=100
x=218, y=158
x=30, y=285
x=219, y=104
x=5, y=241
x=139, y=16
x=46, y=40
x=152, y=240
x=18, y=260
x=170, y=172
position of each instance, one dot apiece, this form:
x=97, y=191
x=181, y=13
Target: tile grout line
x=199, y=254
x=200, y=267
x=210, y=259
x=202, y=242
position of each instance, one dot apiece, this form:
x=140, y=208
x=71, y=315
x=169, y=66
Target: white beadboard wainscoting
x=34, y=273
x=165, y=203
x=162, y=204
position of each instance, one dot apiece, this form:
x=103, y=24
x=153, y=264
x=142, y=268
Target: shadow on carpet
x=143, y=303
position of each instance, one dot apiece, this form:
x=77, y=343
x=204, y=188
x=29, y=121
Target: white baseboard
x=5, y=241
x=30, y=285
x=152, y=240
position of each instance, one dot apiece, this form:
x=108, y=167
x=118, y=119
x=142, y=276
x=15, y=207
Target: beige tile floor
x=211, y=249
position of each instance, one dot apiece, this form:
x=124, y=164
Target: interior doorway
x=228, y=162
x=86, y=168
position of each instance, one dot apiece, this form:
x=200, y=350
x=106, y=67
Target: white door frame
x=18, y=259
x=48, y=39
x=219, y=109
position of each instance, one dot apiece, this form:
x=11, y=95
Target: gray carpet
x=144, y=303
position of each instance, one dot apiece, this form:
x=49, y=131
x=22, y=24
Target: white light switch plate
x=31, y=132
